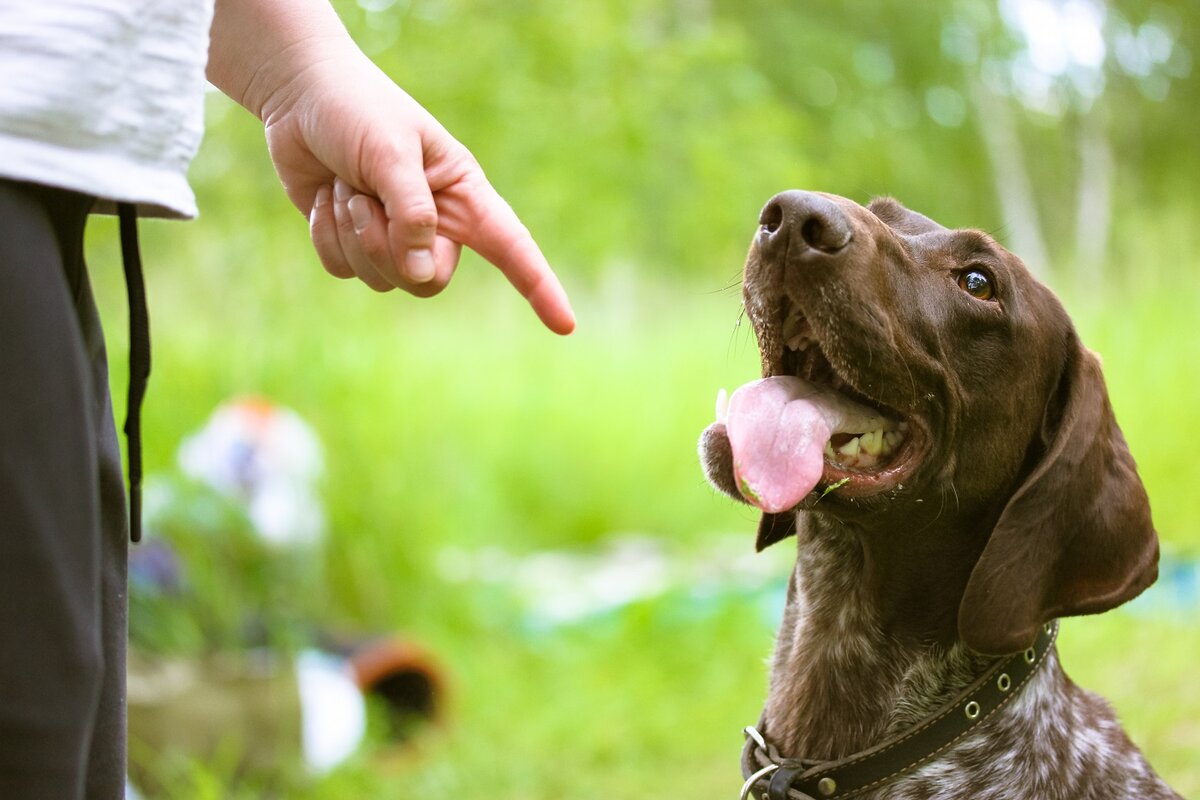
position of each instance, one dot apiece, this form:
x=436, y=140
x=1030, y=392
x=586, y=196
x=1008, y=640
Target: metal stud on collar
x=972, y=710
x=1004, y=682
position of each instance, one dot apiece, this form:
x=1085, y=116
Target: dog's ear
x=1076, y=537
x=774, y=528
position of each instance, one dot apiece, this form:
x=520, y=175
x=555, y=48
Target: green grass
x=459, y=422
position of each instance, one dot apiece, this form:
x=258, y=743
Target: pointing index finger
x=500, y=237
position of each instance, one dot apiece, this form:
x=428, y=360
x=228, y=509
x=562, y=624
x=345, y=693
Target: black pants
x=63, y=527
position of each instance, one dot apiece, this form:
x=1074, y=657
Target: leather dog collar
x=771, y=777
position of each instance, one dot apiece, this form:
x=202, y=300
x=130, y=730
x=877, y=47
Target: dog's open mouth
x=866, y=441
x=805, y=426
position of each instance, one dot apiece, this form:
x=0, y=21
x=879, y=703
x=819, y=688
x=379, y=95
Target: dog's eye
x=977, y=284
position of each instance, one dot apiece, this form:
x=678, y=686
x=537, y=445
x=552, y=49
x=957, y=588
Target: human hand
x=390, y=195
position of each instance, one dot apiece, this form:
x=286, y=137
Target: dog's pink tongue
x=777, y=433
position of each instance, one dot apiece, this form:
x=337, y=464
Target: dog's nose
x=803, y=221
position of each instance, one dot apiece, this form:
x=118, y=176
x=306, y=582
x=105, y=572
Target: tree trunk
x=1013, y=188
x=1093, y=206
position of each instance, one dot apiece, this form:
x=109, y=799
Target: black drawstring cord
x=139, y=361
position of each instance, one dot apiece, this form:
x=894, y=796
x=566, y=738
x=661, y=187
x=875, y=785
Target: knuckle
x=465, y=161
x=419, y=216
x=345, y=225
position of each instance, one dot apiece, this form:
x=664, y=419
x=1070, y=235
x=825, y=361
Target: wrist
x=288, y=74
x=261, y=50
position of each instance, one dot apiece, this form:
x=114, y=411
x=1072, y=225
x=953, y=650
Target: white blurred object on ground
x=266, y=457
x=333, y=711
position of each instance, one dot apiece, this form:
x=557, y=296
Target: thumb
x=412, y=222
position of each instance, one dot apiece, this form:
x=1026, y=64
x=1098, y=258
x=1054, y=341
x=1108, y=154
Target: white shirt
x=105, y=97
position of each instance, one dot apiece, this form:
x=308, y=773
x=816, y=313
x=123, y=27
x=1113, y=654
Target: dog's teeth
x=722, y=405
x=865, y=451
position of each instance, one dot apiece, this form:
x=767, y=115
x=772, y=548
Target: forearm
x=259, y=47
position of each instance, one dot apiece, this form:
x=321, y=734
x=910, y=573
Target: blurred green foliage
x=206, y=582
x=638, y=141
x=647, y=135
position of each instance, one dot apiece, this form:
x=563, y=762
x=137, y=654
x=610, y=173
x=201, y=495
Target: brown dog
x=942, y=444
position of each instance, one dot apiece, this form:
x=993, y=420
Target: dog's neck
x=849, y=668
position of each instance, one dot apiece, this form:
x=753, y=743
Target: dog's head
x=937, y=366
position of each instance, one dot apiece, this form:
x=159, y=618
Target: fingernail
x=342, y=190
x=322, y=197
x=419, y=266
x=360, y=212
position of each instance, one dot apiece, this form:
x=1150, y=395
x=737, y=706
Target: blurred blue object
x=1175, y=595
x=154, y=568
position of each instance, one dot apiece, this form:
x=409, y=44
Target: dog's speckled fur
x=1023, y=505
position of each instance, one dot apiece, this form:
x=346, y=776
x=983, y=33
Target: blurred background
x=528, y=510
